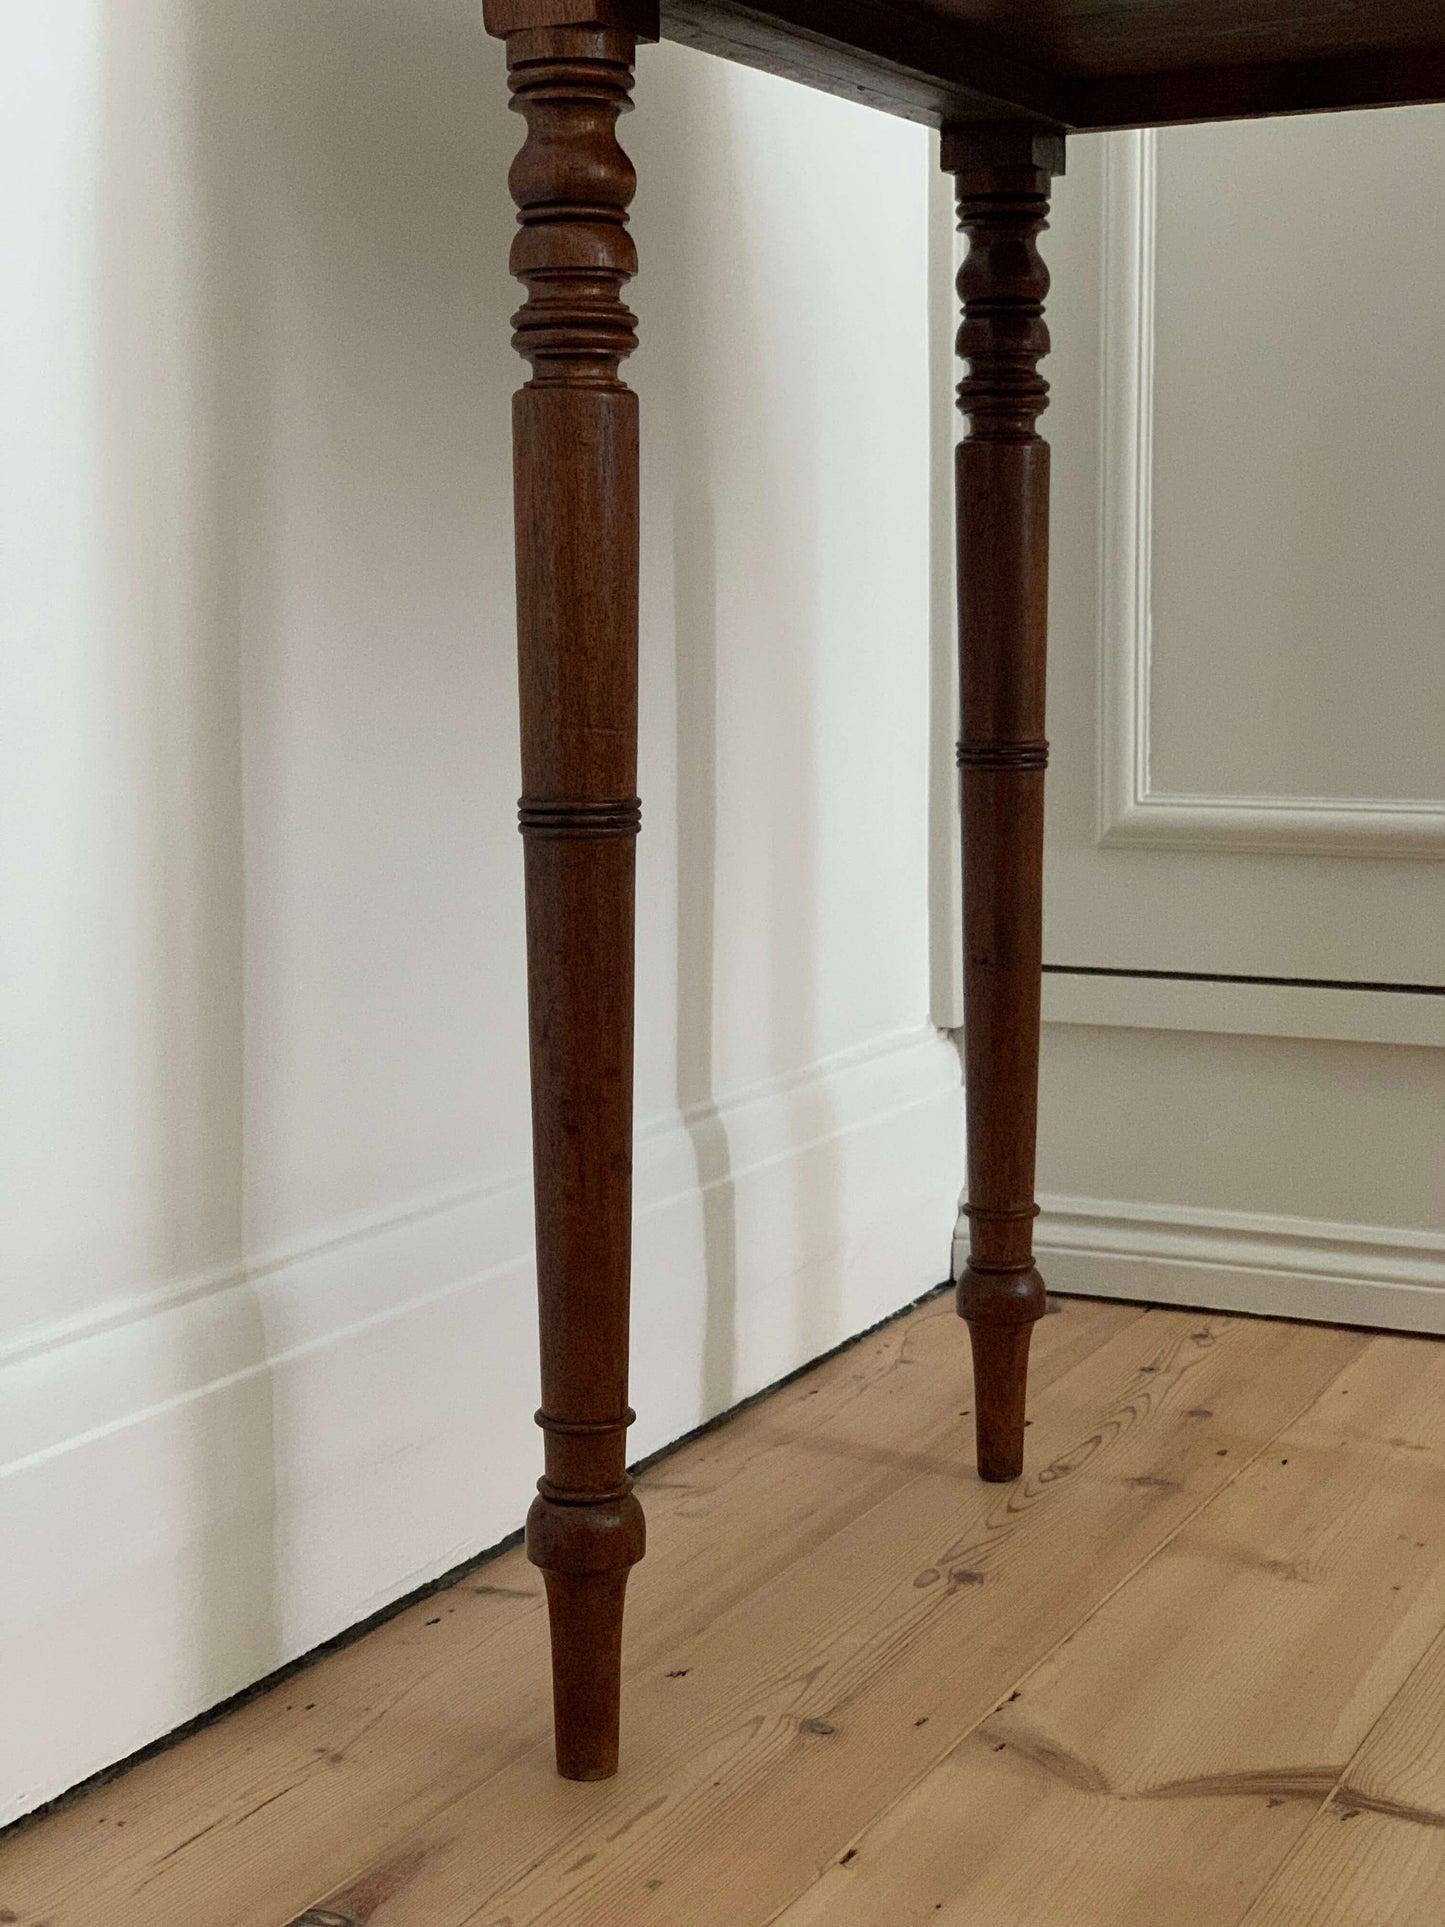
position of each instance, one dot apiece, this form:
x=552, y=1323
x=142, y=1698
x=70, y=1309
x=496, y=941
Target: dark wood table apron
x=1005, y=80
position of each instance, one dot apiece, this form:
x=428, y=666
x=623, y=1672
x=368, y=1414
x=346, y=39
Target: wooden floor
x=1191, y=1670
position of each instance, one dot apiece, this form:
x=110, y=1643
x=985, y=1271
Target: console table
x=1006, y=81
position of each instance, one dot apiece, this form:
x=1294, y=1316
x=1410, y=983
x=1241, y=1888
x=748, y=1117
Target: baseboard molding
x=1242, y=1261
x=219, y=1474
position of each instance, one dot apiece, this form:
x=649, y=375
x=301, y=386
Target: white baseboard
x=214, y=1477
x=1243, y=1261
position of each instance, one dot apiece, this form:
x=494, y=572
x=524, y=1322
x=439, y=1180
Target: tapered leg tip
x=586, y=1770
x=586, y=1615
x=1000, y=1371
x=1000, y=1471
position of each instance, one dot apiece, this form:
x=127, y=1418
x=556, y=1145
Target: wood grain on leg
x=1003, y=173
x=575, y=449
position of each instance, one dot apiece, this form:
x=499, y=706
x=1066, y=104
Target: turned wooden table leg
x=1003, y=171
x=575, y=452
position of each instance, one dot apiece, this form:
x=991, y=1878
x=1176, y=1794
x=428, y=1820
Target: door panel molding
x=1246, y=1010
x=1131, y=811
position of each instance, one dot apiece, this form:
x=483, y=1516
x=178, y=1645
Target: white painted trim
x=1278, y=1267
x=1126, y=481
x=1131, y=811
x=1286, y=826
x=1244, y=1261
x=323, y=1290
x=217, y=1475
x=1246, y=1010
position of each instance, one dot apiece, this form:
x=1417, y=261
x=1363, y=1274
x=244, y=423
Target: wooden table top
x=1085, y=63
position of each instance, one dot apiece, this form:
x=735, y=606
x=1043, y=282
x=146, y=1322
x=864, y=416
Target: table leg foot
x=586, y=1617
x=1000, y=1386
x=586, y=1553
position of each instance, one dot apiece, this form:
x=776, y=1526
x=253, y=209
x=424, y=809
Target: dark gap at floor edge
x=442, y=1583
x=455, y=1574
x=1226, y=977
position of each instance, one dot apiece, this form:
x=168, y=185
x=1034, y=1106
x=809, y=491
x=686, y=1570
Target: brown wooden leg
x=1003, y=172
x=575, y=452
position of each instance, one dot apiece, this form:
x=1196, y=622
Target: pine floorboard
x=1191, y=1669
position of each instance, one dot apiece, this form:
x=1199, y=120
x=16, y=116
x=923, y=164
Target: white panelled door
x=1243, y=1098
x=1248, y=709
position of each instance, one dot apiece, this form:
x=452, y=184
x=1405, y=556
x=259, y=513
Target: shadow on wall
x=182, y=457
x=305, y=409
x=743, y=589
x=306, y=371
x=695, y=599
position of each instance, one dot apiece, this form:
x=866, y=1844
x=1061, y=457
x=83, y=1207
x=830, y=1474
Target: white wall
x=265, y=1294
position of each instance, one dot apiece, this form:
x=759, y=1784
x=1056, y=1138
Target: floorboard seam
x=1299, y=1845
x=1144, y=1311
x=1043, y=1659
